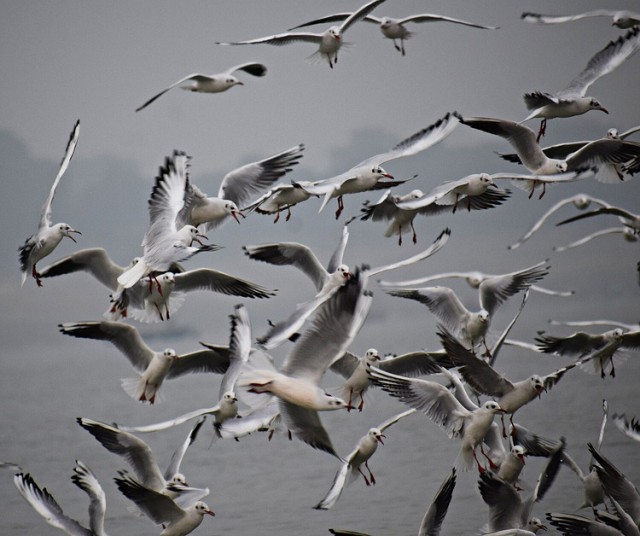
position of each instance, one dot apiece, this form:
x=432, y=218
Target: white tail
x=133, y=274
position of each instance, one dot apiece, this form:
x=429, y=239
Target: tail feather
x=133, y=274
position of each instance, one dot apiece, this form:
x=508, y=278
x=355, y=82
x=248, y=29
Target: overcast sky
x=99, y=61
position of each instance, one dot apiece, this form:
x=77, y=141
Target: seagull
x=617, y=486
x=281, y=197
x=472, y=327
x=523, y=140
x=44, y=503
x=329, y=42
x=607, y=173
x=164, y=243
x=512, y=465
x=161, y=509
x=591, y=485
x=507, y=510
x=236, y=188
x=580, y=201
x=630, y=428
x=400, y=212
x=395, y=29
x=236, y=355
x=628, y=219
x=297, y=385
x=139, y=456
x=154, y=366
x=287, y=329
x=442, y=407
x=474, y=279
x=600, y=348
x=48, y=236
x=162, y=300
x=573, y=99
x=212, y=83
x=354, y=370
x=621, y=18
x=484, y=379
x=351, y=466
x=367, y=174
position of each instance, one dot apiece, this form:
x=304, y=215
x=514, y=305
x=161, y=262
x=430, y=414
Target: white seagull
x=329, y=42
x=160, y=301
x=484, y=379
x=523, y=140
x=286, y=329
x=236, y=355
x=235, y=190
x=573, y=99
x=367, y=174
x=163, y=510
x=507, y=510
x=44, y=503
x=393, y=28
x=607, y=173
x=139, y=456
x=281, y=197
x=354, y=370
x=621, y=18
x=474, y=279
x=442, y=407
x=212, y=83
x=580, y=201
x=399, y=210
x=472, y=326
x=154, y=366
x=351, y=466
x=599, y=348
x=164, y=242
x=297, y=385
x=48, y=236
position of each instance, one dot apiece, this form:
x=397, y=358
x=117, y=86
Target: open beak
x=235, y=214
x=71, y=236
x=604, y=110
x=198, y=237
x=212, y=513
x=380, y=438
x=388, y=175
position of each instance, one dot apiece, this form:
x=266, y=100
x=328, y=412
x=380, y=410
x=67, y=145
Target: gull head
x=167, y=279
x=483, y=316
x=594, y=104
x=331, y=402
x=169, y=354
x=179, y=479
x=613, y=134
x=193, y=235
x=229, y=398
x=202, y=508
x=231, y=81
x=582, y=201
x=334, y=32
x=474, y=279
x=535, y=525
x=560, y=165
x=537, y=383
x=492, y=406
x=343, y=271
x=65, y=230
x=376, y=435
x=385, y=22
x=378, y=172
x=518, y=452
x=231, y=209
x=371, y=356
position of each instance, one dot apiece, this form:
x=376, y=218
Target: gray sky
x=98, y=61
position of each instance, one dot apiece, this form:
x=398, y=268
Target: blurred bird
x=212, y=83
x=44, y=503
x=48, y=236
x=621, y=18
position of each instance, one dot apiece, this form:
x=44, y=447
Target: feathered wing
x=176, y=458
x=45, y=216
x=305, y=424
x=339, y=482
x=194, y=76
x=437, y=510
x=84, y=478
x=44, y=503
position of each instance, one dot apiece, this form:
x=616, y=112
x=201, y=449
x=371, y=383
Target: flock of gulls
x=458, y=386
